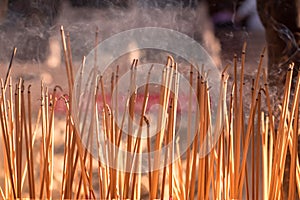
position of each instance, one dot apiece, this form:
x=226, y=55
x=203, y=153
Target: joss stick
x=188, y=152
x=9, y=68
x=245, y=149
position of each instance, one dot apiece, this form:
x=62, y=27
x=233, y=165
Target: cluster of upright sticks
x=226, y=172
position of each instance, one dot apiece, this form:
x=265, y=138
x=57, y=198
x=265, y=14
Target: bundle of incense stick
x=247, y=162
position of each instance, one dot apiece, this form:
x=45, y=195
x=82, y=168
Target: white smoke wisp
x=82, y=23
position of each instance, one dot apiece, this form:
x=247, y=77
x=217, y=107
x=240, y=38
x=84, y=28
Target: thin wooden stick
x=31, y=164
x=236, y=129
x=239, y=111
x=79, y=150
x=245, y=149
x=132, y=99
x=179, y=182
x=172, y=118
x=188, y=152
x=66, y=56
x=8, y=154
x=27, y=144
x=264, y=139
x=266, y=89
x=137, y=145
x=164, y=96
x=258, y=147
x=9, y=68
x=19, y=132
x=202, y=131
x=294, y=114
x=69, y=52
x=279, y=144
x=195, y=143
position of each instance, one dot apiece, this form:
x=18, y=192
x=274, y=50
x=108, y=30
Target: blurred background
x=221, y=27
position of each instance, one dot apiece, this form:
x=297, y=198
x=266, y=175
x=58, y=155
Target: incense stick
x=221, y=174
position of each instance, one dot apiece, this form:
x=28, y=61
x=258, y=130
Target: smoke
x=32, y=38
x=82, y=24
